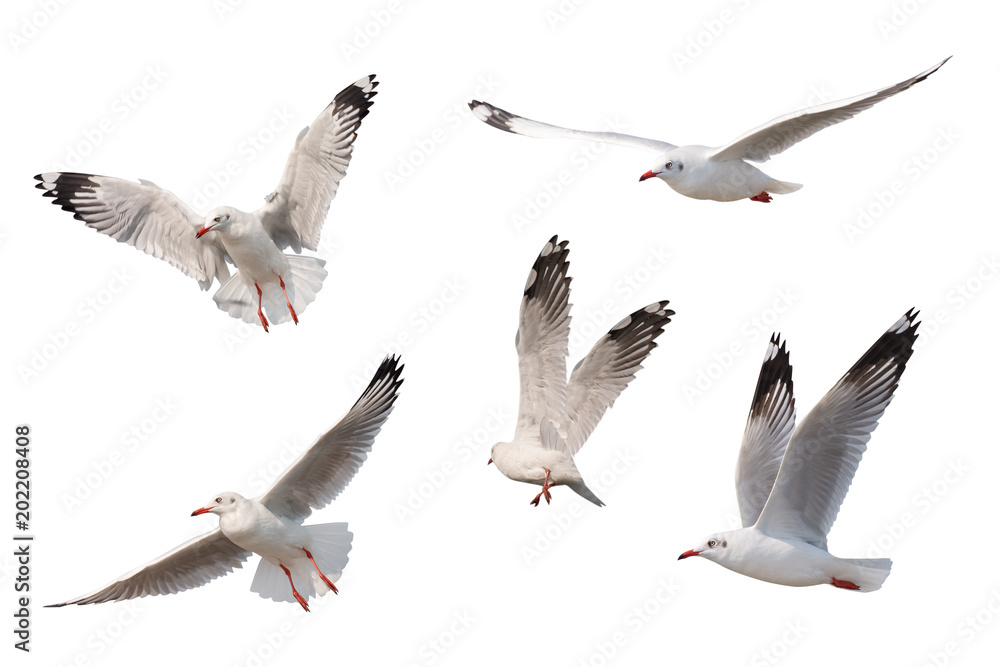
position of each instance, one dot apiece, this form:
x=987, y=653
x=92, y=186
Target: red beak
x=688, y=554
x=201, y=511
x=648, y=174
x=489, y=462
x=201, y=232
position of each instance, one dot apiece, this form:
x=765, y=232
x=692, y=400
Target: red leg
x=295, y=317
x=321, y=575
x=844, y=584
x=260, y=307
x=763, y=197
x=298, y=597
x=545, y=490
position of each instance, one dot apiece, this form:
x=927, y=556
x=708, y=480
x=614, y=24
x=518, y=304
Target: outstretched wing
x=508, y=122
x=769, y=426
x=785, y=131
x=142, y=215
x=825, y=449
x=192, y=564
x=542, y=343
x=294, y=213
x=612, y=363
x=326, y=468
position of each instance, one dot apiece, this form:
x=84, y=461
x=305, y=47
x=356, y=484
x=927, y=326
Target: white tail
x=776, y=187
x=868, y=574
x=331, y=543
x=240, y=300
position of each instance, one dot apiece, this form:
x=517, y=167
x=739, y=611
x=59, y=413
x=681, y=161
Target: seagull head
x=217, y=220
x=221, y=504
x=713, y=548
x=667, y=167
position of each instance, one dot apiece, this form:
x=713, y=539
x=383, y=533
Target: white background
x=473, y=574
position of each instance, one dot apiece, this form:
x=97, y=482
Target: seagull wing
x=142, y=215
x=826, y=448
x=326, y=468
x=612, y=363
x=192, y=564
x=294, y=213
x=785, y=131
x=542, y=344
x=508, y=122
x=769, y=426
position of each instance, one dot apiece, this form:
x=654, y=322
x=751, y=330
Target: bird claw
x=763, y=197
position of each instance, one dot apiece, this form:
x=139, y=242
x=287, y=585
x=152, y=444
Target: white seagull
x=555, y=418
x=722, y=173
x=310, y=558
x=155, y=221
x=790, y=483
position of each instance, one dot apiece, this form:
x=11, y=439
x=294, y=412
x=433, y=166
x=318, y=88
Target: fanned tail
x=868, y=574
x=331, y=543
x=240, y=300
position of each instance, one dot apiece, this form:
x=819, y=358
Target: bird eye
x=669, y=165
x=712, y=543
x=219, y=499
x=218, y=218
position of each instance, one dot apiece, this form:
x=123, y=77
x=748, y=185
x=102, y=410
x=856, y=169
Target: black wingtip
x=775, y=371
x=546, y=267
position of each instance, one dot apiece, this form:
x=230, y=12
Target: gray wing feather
x=324, y=470
x=192, y=564
x=783, y=132
x=825, y=449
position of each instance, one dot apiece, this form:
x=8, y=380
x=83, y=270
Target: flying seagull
x=297, y=562
x=155, y=221
x=791, y=480
x=555, y=417
x=722, y=173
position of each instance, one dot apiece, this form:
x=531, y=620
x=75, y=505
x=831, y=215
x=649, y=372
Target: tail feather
x=776, y=187
x=868, y=574
x=240, y=300
x=583, y=490
x=331, y=543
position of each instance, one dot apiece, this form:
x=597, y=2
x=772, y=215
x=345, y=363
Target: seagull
x=555, y=418
x=722, y=173
x=791, y=481
x=157, y=222
x=313, y=557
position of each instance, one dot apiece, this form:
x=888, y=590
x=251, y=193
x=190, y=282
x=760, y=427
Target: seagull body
x=791, y=480
x=155, y=221
x=555, y=417
x=722, y=173
x=297, y=561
